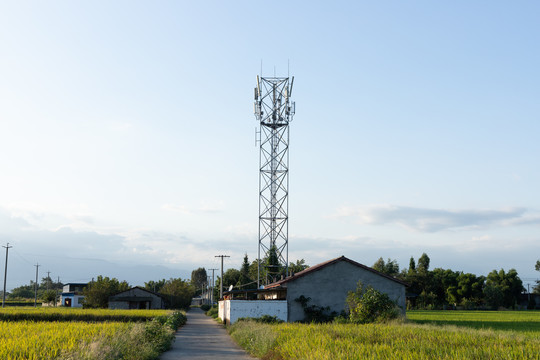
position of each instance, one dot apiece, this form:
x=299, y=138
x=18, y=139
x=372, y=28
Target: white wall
x=231, y=310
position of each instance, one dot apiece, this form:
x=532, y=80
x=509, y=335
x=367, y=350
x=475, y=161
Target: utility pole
x=48, y=278
x=208, y=287
x=212, y=287
x=36, y=285
x=221, y=282
x=56, y=292
x=5, y=275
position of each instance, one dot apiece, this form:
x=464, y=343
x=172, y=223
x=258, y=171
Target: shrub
x=213, y=312
x=367, y=305
x=315, y=313
x=205, y=307
x=265, y=319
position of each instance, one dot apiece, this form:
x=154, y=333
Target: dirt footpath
x=202, y=338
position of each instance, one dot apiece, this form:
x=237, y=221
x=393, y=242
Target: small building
x=72, y=295
x=326, y=285
x=137, y=298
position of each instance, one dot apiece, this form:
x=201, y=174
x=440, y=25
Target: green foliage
x=49, y=296
x=155, y=286
x=536, y=289
x=368, y=305
x=531, y=305
x=298, y=266
x=22, y=292
x=28, y=291
x=199, y=279
x=272, y=266
x=97, y=292
x=213, y=312
x=503, y=289
x=265, y=319
x=205, y=307
x=315, y=313
x=244, y=281
x=391, y=267
x=178, y=293
x=142, y=342
x=423, y=263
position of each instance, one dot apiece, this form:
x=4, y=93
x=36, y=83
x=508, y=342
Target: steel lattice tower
x=274, y=111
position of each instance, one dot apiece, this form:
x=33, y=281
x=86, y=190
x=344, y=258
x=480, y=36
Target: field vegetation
x=445, y=338
x=519, y=321
x=65, y=333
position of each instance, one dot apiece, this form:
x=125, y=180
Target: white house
x=72, y=294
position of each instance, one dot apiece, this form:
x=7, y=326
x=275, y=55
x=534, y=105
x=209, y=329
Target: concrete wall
x=329, y=287
x=231, y=310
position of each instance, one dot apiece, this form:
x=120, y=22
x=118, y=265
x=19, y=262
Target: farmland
x=64, y=333
x=464, y=336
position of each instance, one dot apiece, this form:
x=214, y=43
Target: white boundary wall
x=231, y=310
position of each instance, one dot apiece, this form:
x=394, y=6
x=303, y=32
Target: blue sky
x=127, y=133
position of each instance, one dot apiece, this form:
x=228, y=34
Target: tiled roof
x=330, y=262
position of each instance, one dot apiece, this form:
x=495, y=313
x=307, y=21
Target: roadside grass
x=403, y=340
x=90, y=337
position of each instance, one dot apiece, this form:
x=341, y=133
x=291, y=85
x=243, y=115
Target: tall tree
x=155, y=286
x=537, y=287
x=178, y=293
x=97, y=293
x=198, y=279
x=503, y=288
x=245, y=280
x=423, y=263
x=412, y=266
x=390, y=267
x=272, y=265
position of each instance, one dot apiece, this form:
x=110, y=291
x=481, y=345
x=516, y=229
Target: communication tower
x=274, y=111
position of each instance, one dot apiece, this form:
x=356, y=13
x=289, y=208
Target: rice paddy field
x=67, y=333
x=426, y=335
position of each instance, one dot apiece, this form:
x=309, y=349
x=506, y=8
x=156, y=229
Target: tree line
x=245, y=277
x=177, y=293
x=442, y=288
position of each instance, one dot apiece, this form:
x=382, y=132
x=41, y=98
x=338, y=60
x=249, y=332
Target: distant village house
x=72, y=294
x=137, y=298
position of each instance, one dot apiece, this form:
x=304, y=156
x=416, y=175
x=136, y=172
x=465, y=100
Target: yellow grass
x=47, y=340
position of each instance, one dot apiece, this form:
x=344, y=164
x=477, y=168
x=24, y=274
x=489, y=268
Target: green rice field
x=425, y=335
x=520, y=321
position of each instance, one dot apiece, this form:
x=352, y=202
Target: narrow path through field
x=202, y=338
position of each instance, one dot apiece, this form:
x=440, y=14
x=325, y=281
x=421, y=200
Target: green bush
x=205, y=307
x=368, y=305
x=265, y=319
x=144, y=341
x=315, y=313
x=213, y=312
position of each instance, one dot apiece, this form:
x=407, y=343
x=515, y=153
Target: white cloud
x=177, y=208
x=434, y=220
